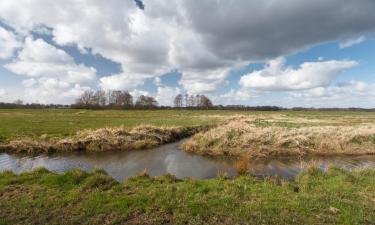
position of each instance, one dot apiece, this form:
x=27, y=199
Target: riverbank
x=104, y=139
x=76, y=197
x=252, y=138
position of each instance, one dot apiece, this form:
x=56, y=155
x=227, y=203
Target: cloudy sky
x=288, y=53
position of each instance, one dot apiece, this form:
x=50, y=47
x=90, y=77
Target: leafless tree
x=18, y=102
x=204, y=102
x=146, y=102
x=186, y=98
x=122, y=99
x=191, y=101
x=99, y=98
x=86, y=98
x=178, y=101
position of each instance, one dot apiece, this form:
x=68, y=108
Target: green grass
x=77, y=197
x=66, y=122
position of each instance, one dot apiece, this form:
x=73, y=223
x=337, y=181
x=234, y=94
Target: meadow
x=217, y=133
x=335, y=196
x=77, y=197
x=66, y=122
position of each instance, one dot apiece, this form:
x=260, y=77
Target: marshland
x=186, y=166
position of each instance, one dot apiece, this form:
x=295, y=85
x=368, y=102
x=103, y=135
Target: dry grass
x=246, y=136
x=105, y=139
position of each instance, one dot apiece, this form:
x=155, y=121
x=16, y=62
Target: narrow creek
x=170, y=159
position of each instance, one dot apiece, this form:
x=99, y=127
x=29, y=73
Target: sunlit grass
x=75, y=197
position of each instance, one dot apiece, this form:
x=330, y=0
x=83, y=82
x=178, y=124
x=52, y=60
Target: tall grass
x=242, y=136
x=104, y=139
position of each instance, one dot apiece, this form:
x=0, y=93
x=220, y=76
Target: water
x=170, y=159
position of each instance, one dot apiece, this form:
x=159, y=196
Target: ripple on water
x=170, y=159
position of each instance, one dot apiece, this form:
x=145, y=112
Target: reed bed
x=242, y=136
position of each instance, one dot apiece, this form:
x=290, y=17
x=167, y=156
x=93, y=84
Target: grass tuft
x=244, y=136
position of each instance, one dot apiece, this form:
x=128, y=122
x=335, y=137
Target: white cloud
x=277, y=77
x=166, y=95
x=207, y=81
x=53, y=76
x=2, y=92
x=198, y=38
x=136, y=93
x=233, y=96
x=345, y=94
x=120, y=82
x=40, y=59
x=350, y=42
x=157, y=81
x=50, y=90
x=8, y=43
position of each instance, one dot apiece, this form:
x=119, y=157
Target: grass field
x=65, y=122
x=76, y=197
x=238, y=132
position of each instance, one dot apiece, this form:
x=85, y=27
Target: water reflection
x=169, y=159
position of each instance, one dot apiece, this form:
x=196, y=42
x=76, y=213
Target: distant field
x=65, y=122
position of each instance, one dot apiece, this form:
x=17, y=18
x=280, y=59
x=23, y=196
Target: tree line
x=113, y=99
x=124, y=100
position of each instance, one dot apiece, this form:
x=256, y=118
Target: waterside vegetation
x=77, y=197
x=272, y=137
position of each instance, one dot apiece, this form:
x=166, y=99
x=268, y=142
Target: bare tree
x=186, y=98
x=99, y=98
x=146, y=102
x=204, y=102
x=191, y=101
x=127, y=99
x=18, y=102
x=121, y=99
x=178, y=101
x=86, y=98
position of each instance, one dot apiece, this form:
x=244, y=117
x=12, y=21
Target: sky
x=286, y=53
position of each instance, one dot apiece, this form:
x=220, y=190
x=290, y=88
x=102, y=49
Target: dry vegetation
x=104, y=139
x=278, y=136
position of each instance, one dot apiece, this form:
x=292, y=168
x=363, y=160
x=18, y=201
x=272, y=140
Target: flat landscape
x=335, y=196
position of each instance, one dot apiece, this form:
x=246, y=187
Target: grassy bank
x=104, y=139
x=254, y=137
x=77, y=197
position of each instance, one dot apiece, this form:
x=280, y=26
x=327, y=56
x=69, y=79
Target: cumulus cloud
x=198, y=38
x=136, y=93
x=120, y=82
x=165, y=95
x=40, y=59
x=345, y=94
x=278, y=77
x=52, y=75
x=8, y=43
x=51, y=90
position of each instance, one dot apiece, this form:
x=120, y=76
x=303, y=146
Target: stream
x=170, y=159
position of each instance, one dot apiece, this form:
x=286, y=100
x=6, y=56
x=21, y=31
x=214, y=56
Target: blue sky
x=312, y=54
